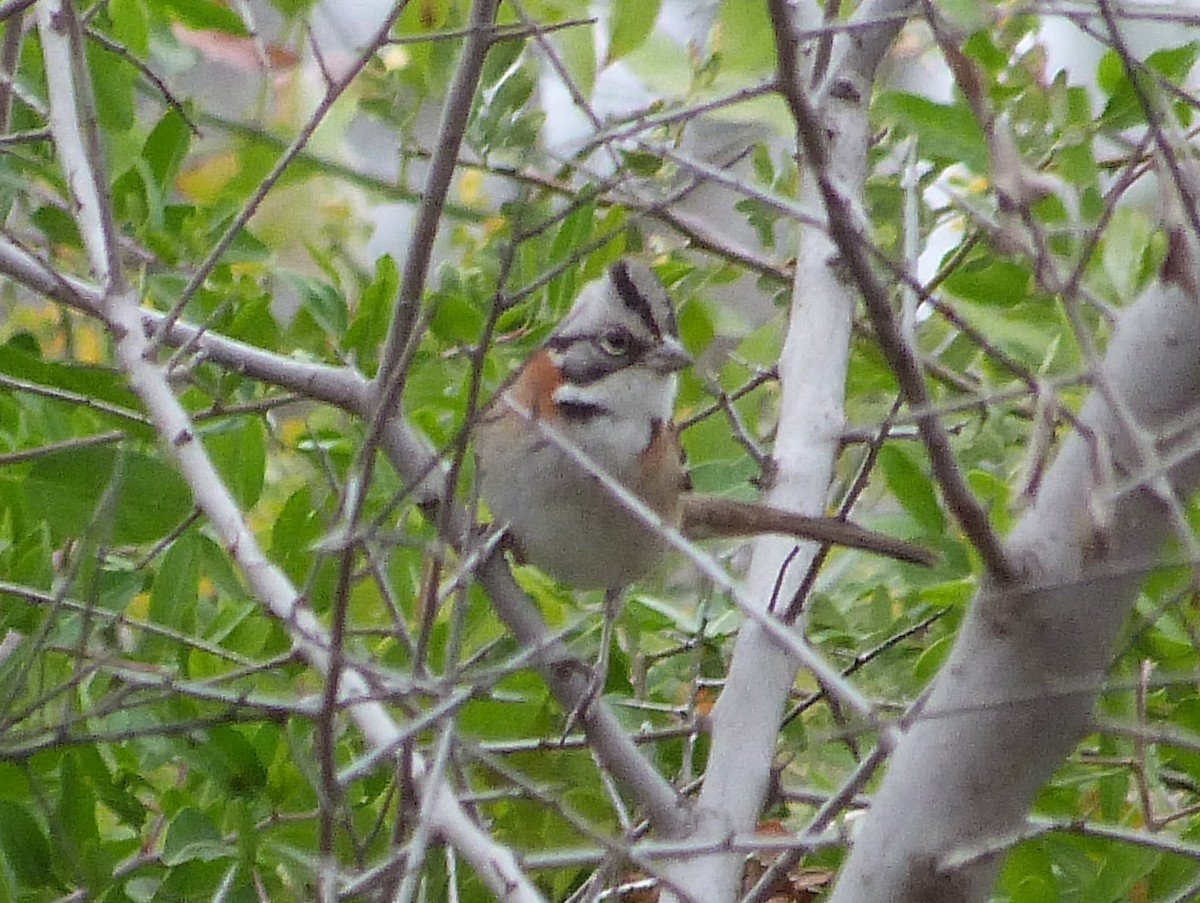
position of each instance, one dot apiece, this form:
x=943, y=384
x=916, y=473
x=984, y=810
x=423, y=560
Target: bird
x=592, y=409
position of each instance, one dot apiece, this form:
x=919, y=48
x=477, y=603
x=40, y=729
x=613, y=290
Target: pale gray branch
x=996, y=724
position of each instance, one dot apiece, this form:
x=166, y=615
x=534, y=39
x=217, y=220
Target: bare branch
x=812, y=373
x=851, y=240
x=1056, y=631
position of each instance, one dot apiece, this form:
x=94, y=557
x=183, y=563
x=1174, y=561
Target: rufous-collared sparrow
x=605, y=382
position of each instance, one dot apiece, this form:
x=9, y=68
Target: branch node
x=845, y=89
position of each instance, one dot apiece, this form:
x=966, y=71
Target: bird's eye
x=616, y=342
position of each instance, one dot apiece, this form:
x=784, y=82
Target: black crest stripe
x=632, y=298
x=672, y=321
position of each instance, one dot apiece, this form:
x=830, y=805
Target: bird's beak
x=667, y=357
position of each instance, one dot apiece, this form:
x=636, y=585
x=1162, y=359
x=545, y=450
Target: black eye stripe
x=584, y=361
x=563, y=343
x=587, y=374
x=582, y=370
x=633, y=299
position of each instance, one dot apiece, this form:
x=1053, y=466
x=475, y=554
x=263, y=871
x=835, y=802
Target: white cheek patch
x=668, y=397
x=633, y=392
x=584, y=397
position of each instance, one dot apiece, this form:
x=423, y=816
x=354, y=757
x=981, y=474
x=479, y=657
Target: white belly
x=568, y=524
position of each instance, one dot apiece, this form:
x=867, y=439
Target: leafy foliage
x=159, y=736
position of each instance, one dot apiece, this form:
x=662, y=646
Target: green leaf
x=747, y=38
x=456, y=320
x=1174, y=63
x=89, y=380
x=192, y=836
x=135, y=201
x=696, y=327
x=14, y=783
x=502, y=119
x=616, y=678
x=991, y=280
x=116, y=794
x=324, y=303
x=238, y=628
x=653, y=615
x=966, y=16
x=24, y=846
x=994, y=494
x=1110, y=72
x=295, y=530
x=912, y=487
x=1126, y=242
x=631, y=23
x=369, y=320
x=246, y=248
x=239, y=451
x=254, y=324
x=112, y=80
x=1028, y=875
x=1125, y=107
x=948, y=133
x=166, y=147
x=949, y=593
x=1121, y=867
x=577, y=46
x=764, y=166
x=576, y=231
x=56, y=225
x=761, y=217
x=77, y=819
x=931, y=658
x=67, y=486
x=175, y=591
x=130, y=25
x=200, y=14
x=228, y=760
x=501, y=58
x=29, y=559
